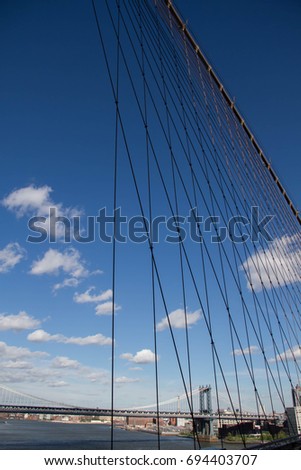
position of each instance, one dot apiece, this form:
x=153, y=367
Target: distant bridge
x=200, y=411
x=127, y=413
x=199, y=406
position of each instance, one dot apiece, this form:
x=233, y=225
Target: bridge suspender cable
x=175, y=192
x=204, y=136
x=204, y=243
x=150, y=196
x=138, y=192
x=231, y=104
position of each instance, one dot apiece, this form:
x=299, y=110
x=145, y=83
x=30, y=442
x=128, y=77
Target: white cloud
x=177, y=319
x=29, y=199
x=36, y=201
x=55, y=261
x=17, y=353
x=289, y=354
x=125, y=380
x=41, y=336
x=106, y=308
x=279, y=263
x=33, y=374
x=145, y=356
x=62, y=362
x=98, y=339
x=68, y=282
x=246, y=351
x=19, y=322
x=59, y=383
x=99, y=376
x=69, y=262
x=16, y=364
x=87, y=297
x=19, y=365
x=11, y=255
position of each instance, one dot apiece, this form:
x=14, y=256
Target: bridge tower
x=205, y=424
x=205, y=399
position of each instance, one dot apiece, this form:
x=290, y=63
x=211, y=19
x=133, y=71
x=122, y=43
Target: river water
x=39, y=435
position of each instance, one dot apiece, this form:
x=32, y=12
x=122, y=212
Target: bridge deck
x=125, y=413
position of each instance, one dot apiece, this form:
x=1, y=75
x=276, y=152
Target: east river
x=38, y=435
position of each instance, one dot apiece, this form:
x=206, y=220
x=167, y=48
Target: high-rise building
x=294, y=420
x=296, y=392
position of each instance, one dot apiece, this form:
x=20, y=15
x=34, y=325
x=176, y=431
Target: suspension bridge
x=18, y=402
x=231, y=248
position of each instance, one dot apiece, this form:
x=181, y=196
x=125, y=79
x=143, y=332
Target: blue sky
x=57, y=148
